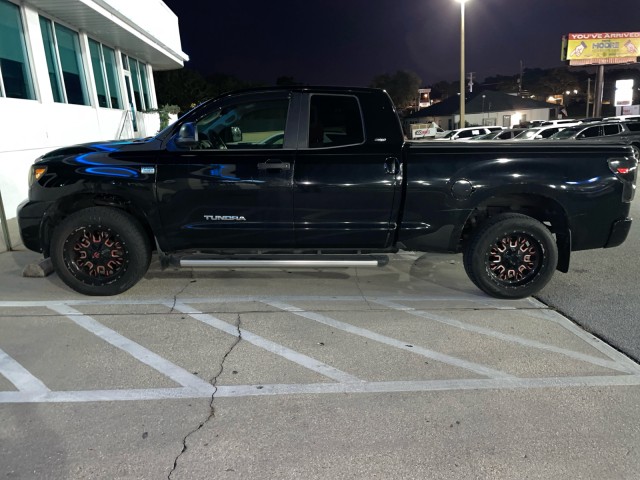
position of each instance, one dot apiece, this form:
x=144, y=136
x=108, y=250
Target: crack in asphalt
x=175, y=297
x=360, y=290
x=212, y=410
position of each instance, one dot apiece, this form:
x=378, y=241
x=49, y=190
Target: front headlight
x=35, y=173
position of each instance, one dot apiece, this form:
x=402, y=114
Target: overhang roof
x=104, y=23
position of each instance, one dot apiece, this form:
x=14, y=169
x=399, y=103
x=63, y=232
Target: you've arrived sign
x=595, y=48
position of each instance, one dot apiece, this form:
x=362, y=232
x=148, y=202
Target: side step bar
x=315, y=261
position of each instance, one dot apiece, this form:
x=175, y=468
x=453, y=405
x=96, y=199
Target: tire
x=511, y=256
x=100, y=251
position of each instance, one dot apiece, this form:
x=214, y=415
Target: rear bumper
x=619, y=232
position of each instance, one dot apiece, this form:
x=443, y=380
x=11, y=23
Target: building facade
x=484, y=108
x=75, y=71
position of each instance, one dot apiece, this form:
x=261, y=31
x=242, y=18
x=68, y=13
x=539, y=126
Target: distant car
x=441, y=133
x=603, y=132
x=593, y=131
x=506, y=134
x=467, y=132
x=564, y=121
x=622, y=117
x=541, y=132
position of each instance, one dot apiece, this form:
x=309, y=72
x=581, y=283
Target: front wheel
x=511, y=256
x=100, y=251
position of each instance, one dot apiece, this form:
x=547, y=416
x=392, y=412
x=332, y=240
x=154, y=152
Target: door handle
x=391, y=165
x=273, y=164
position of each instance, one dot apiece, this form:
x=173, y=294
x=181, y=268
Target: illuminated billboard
x=602, y=48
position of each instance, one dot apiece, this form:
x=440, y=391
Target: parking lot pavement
x=405, y=371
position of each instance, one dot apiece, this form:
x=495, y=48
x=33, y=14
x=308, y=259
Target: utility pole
x=588, y=95
x=599, y=90
x=462, y=89
x=520, y=79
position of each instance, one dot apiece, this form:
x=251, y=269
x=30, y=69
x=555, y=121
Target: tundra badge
x=233, y=218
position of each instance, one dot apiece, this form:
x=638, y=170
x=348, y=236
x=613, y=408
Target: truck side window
x=335, y=120
x=251, y=125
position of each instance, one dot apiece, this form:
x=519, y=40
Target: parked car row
x=466, y=133
x=624, y=129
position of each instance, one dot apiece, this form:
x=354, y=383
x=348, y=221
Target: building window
x=135, y=78
x=52, y=59
x=112, y=76
x=145, y=85
x=15, y=75
x=103, y=62
x=64, y=61
x=139, y=82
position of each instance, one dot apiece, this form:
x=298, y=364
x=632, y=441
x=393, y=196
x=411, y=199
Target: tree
x=183, y=87
x=442, y=90
x=402, y=87
x=220, y=83
x=288, y=81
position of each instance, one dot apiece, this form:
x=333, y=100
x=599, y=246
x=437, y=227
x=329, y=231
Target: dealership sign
x=597, y=48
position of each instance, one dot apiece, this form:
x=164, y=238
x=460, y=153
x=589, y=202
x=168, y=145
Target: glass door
x=130, y=101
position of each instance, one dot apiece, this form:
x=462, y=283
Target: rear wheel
x=100, y=251
x=511, y=256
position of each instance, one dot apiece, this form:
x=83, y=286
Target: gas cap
x=462, y=189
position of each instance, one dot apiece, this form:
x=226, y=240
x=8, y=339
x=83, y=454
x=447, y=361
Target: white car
x=467, y=132
x=542, y=132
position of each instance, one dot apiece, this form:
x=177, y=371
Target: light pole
x=462, y=75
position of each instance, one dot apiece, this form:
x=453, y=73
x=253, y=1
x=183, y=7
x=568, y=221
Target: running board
x=315, y=261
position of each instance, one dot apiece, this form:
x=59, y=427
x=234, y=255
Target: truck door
x=235, y=188
x=345, y=185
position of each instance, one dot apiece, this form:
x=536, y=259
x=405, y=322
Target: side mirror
x=231, y=135
x=236, y=134
x=187, y=136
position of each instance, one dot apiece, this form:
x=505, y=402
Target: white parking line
x=430, y=385
x=602, y=347
x=236, y=391
x=613, y=365
x=140, y=353
x=440, y=357
x=298, y=358
x=493, y=303
x=32, y=390
x=20, y=376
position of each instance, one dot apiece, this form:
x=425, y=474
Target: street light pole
x=462, y=75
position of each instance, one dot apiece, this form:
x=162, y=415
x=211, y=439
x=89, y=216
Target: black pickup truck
x=321, y=177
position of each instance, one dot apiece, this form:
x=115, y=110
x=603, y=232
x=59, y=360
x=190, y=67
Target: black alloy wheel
x=511, y=256
x=96, y=254
x=100, y=251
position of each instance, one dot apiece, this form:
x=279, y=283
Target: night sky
x=348, y=42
